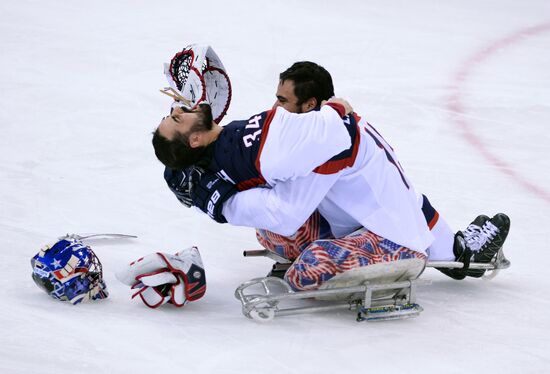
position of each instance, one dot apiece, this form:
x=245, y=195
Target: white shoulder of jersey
x=298, y=143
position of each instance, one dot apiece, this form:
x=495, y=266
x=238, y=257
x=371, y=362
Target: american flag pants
x=317, y=256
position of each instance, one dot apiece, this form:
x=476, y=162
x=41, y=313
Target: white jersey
x=340, y=166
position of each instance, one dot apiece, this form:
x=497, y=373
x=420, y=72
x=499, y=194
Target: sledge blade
x=389, y=312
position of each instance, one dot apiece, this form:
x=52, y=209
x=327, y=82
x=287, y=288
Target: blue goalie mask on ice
x=69, y=271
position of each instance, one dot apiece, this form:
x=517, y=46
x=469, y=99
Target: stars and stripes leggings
x=317, y=256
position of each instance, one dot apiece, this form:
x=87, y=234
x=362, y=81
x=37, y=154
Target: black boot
x=488, y=242
x=480, y=242
x=461, y=250
x=462, y=254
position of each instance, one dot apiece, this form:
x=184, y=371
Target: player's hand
x=344, y=103
x=209, y=192
x=178, y=182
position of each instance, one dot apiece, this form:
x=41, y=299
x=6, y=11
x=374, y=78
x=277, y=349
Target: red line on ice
x=455, y=104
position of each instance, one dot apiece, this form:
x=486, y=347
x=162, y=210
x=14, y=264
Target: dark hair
x=310, y=80
x=177, y=152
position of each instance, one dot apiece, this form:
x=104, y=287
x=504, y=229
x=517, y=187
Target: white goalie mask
x=196, y=75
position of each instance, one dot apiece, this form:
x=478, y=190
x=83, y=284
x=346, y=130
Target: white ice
x=79, y=87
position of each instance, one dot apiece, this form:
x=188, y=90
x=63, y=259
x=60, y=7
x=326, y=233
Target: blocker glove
x=161, y=278
x=209, y=192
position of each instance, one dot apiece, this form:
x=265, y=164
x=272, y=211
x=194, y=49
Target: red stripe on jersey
x=263, y=137
x=339, y=108
x=334, y=166
x=251, y=183
x=434, y=220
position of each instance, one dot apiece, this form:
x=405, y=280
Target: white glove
x=201, y=77
x=161, y=278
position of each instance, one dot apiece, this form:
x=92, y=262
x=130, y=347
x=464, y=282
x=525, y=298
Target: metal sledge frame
x=264, y=307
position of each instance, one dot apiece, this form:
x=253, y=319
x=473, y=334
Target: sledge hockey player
x=208, y=164
x=301, y=88
x=483, y=237
x=313, y=160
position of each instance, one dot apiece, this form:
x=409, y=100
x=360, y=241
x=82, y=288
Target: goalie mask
x=69, y=271
x=196, y=75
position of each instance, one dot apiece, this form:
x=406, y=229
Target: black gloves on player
x=178, y=183
x=205, y=190
x=209, y=192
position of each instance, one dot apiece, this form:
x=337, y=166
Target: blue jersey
x=236, y=151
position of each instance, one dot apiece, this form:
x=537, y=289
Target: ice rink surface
x=461, y=89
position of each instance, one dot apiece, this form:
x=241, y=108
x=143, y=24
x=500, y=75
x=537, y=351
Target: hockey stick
x=265, y=253
x=88, y=236
x=169, y=91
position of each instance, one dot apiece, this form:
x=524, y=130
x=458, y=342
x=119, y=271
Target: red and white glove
x=162, y=278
